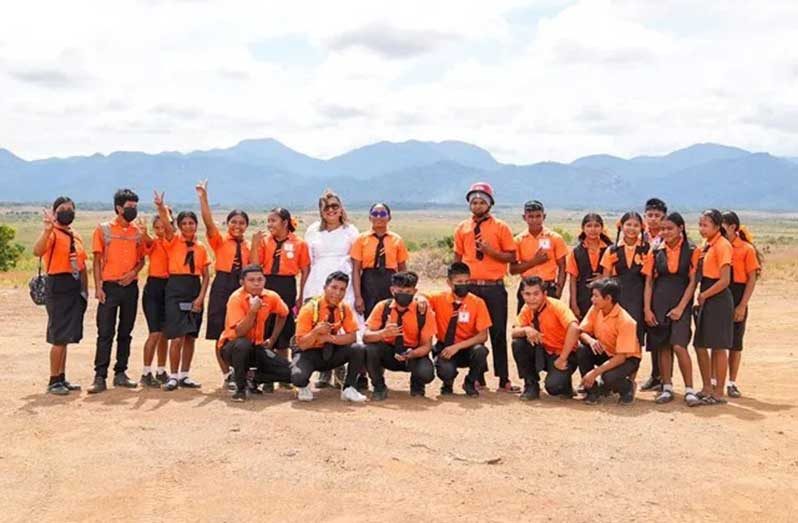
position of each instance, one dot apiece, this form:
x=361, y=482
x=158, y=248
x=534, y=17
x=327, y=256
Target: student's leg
x=498, y=334
x=619, y=379
x=57, y=359
x=223, y=365
x=446, y=371
x=720, y=362
x=558, y=382
x=685, y=365
x=238, y=353
x=162, y=351
x=735, y=356
x=175, y=348
x=187, y=354
x=422, y=371
x=354, y=357
x=586, y=359
x=665, y=355
x=106, y=326
x=271, y=368
x=477, y=363
x=375, y=355
x=303, y=365
x=150, y=345
x=705, y=368
x=524, y=355
x=128, y=305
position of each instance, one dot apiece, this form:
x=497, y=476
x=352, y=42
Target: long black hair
x=731, y=218
x=61, y=200
x=186, y=214
x=678, y=219
x=625, y=218
x=593, y=217
x=285, y=215
x=716, y=217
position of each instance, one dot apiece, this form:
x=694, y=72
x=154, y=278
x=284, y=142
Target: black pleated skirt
x=285, y=286
x=154, y=303
x=65, y=309
x=737, y=290
x=224, y=284
x=714, y=328
x=182, y=289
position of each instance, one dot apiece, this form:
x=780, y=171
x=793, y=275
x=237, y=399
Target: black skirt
x=182, y=290
x=737, y=290
x=285, y=286
x=714, y=326
x=224, y=284
x=668, y=291
x=375, y=286
x=154, y=303
x=66, y=307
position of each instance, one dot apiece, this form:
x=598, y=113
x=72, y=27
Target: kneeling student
x=321, y=344
x=398, y=337
x=544, y=336
x=462, y=320
x=243, y=342
x=610, y=350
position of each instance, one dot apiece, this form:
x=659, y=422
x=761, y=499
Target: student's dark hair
x=608, y=287
x=186, y=214
x=61, y=200
x=122, y=196
x=337, y=276
x=655, y=204
x=237, y=212
x=593, y=217
x=678, y=220
x=285, y=215
x=731, y=218
x=380, y=204
x=629, y=215
x=533, y=281
x=404, y=279
x=253, y=267
x=456, y=269
x=716, y=217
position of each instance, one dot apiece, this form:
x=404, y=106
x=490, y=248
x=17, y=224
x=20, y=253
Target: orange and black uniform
x=379, y=258
x=322, y=357
x=715, y=320
x=154, y=298
x=527, y=246
x=458, y=320
x=617, y=333
x=243, y=352
x=188, y=260
x=282, y=260
x=551, y=320
x=487, y=278
x=118, y=244
x=744, y=262
x=232, y=254
x=584, y=264
x=417, y=326
x=64, y=301
x=625, y=262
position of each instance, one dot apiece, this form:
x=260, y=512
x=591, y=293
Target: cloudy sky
x=529, y=81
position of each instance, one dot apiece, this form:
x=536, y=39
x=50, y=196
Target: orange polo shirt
x=364, y=250
x=527, y=246
x=224, y=248
x=159, y=259
x=177, y=250
x=124, y=251
x=237, y=309
x=672, y=254
x=495, y=233
x=56, y=252
x=744, y=260
x=472, y=315
x=610, y=258
x=343, y=315
x=553, y=319
x=717, y=256
x=294, y=255
x=410, y=329
x=593, y=253
x=617, y=331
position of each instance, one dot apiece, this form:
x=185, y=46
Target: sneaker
x=162, y=377
x=531, y=392
x=627, y=398
x=325, y=380
x=447, y=389
x=148, y=380
x=692, y=399
x=651, y=383
x=733, y=391
x=121, y=380
x=362, y=384
x=188, y=383
x=171, y=384
x=229, y=382
x=379, y=394
x=57, y=389
x=304, y=394
x=239, y=396
x=666, y=396
x=351, y=394
x=74, y=386
x=98, y=386
x=470, y=390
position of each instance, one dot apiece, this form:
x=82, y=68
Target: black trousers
x=474, y=358
x=495, y=297
x=306, y=362
x=617, y=379
x=380, y=356
x=532, y=359
x=242, y=354
x=122, y=302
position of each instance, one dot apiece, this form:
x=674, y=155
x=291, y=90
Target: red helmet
x=482, y=187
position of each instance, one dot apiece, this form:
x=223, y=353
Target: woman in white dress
x=329, y=241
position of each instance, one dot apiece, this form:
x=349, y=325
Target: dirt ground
x=193, y=455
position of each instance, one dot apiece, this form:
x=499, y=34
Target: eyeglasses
x=332, y=207
x=380, y=214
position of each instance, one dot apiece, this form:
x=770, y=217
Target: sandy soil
x=193, y=455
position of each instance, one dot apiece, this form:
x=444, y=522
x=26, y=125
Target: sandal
x=666, y=396
x=692, y=400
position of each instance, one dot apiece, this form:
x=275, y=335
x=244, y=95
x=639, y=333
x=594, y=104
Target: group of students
x=279, y=310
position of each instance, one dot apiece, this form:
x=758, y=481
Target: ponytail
x=731, y=218
x=594, y=217
x=285, y=215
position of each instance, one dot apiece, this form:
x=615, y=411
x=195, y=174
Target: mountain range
x=262, y=173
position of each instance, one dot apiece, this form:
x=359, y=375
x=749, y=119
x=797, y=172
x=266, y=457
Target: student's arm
x=402, y=266
x=571, y=337
x=676, y=313
x=357, y=271
x=424, y=348
x=572, y=291
x=97, y=264
x=560, y=276
x=163, y=214
x=496, y=254
x=451, y=350
x=205, y=208
x=344, y=339
x=648, y=293
x=48, y=219
x=131, y=276
x=742, y=307
x=248, y=321
x=320, y=331
x=718, y=287
x=199, y=302
x=521, y=266
x=84, y=283
x=458, y=257
x=590, y=378
x=519, y=332
x=279, y=324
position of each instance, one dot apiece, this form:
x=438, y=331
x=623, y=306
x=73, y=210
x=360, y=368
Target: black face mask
x=403, y=299
x=129, y=213
x=65, y=217
x=460, y=290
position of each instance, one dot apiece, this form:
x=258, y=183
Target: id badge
x=288, y=247
x=545, y=243
x=463, y=317
x=289, y=255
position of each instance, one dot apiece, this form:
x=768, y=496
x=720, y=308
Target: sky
x=527, y=80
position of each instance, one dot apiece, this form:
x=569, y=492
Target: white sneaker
x=304, y=394
x=351, y=394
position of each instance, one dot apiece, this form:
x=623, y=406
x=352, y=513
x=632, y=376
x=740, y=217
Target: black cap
x=533, y=205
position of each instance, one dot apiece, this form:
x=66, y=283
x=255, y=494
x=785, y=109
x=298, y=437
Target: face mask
x=65, y=217
x=129, y=213
x=403, y=299
x=460, y=290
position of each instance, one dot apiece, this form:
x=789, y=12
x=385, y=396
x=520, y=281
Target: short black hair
x=237, y=212
x=655, y=204
x=404, y=279
x=122, y=196
x=458, y=268
x=608, y=287
x=337, y=276
x=533, y=281
x=253, y=267
x=61, y=200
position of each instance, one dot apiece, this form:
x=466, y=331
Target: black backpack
x=421, y=316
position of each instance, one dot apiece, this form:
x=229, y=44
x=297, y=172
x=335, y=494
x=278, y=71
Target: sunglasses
x=332, y=207
x=380, y=214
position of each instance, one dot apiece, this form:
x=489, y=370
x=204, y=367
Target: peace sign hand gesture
x=48, y=218
x=202, y=189
x=157, y=199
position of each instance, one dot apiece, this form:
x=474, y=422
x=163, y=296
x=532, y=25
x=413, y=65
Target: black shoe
x=362, y=384
x=70, y=386
x=447, y=389
x=470, y=390
x=531, y=392
x=651, y=383
x=171, y=384
x=57, y=389
x=98, y=386
x=379, y=394
x=628, y=397
x=162, y=377
x=592, y=397
x=188, y=383
x=149, y=381
x=239, y=396
x=229, y=382
x=121, y=380
x=418, y=390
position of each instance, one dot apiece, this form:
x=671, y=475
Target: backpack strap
x=421, y=319
x=386, y=311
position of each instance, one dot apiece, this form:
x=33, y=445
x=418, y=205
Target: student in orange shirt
x=154, y=304
x=244, y=342
x=544, y=338
x=745, y=270
x=485, y=244
x=118, y=258
x=655, y=212
x=398, y=337
x=714, y=327
x=584, y=262
x=540, y=252
x=610, y=349
x=66, y=288
x=186, y=289
x=670, y=285
x=463, y=321
x=326, y=332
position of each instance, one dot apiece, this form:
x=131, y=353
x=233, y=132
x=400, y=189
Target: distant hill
x=264, y=172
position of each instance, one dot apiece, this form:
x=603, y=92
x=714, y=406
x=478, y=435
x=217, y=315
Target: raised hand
x=202, y=189
x=157, y=198
x=48, y=219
